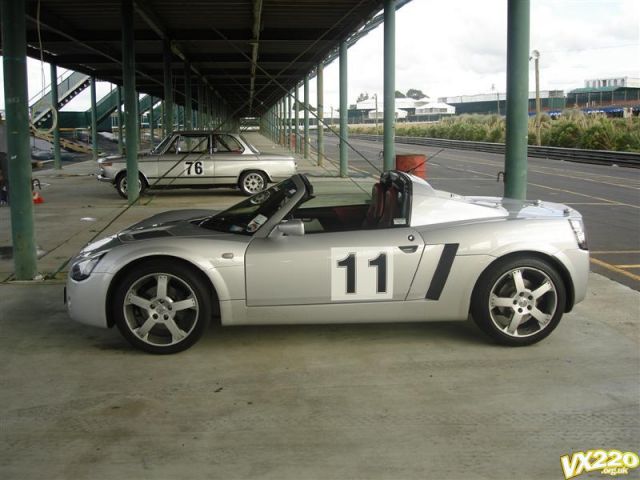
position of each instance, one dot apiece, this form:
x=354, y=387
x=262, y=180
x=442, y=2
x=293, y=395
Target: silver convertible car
x=412, y=254
x=200, y=159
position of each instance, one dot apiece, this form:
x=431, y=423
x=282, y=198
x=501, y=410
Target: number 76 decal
x=361, y=273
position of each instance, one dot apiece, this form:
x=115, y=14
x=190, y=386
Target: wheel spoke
x=497, y=301
x=138, y=301
x=184, y=304
x=162, y=286
x=542, y=318
x=516, y=320
x=176, y=333
x=143, y=330
x=541, y=290
x=518, y=280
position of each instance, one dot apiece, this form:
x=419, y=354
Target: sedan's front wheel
x=253, y=182
x=162, y=307
x=518, y=301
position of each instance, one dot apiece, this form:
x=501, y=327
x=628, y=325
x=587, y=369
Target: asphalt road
x=608, y=197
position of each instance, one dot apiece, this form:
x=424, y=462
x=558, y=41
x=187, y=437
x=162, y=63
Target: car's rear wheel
x=518, y=301
x=253, y=182
x=162, y=307
x=121, y=184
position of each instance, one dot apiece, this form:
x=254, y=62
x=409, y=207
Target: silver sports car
x=200, y=159
x=412, y=254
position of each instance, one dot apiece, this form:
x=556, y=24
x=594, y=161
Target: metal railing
x=599, y=157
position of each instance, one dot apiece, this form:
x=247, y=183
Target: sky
x=458, y=47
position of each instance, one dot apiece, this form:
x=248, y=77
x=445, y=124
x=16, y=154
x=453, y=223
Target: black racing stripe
x=442, y=271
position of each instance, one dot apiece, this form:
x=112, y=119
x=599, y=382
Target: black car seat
x=375, y=208
x=391, y=208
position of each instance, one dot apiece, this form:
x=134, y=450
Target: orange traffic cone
x=37, y=198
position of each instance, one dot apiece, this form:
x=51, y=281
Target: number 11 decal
x=364, y=273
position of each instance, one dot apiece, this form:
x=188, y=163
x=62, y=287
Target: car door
x=186, y=161
x=334, y=267
x=231, y=158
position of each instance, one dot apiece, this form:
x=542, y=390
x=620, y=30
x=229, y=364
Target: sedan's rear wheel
x=519, y=301
x=121, y=184
x=253, y=182
x=162, y=307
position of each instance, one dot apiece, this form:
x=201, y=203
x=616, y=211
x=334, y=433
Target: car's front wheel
x=121, y=184
x=518, y=301
x=162, y=307
x=253, y=182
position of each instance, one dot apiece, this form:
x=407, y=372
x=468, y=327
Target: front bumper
x=102, y=178
x=86, y=300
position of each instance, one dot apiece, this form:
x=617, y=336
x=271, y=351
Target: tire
x=121, y=184
x=150, y=318
x=252, y=182
x=518, y=301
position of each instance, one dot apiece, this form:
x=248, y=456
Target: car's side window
x=227, y=144
x=192, y=144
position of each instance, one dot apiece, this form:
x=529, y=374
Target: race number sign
x=361, y=273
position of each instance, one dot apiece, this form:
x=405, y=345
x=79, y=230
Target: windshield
x=249, y=215
x=161, y=146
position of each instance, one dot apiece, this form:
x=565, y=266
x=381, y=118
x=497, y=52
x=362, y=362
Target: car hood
x=174, y=223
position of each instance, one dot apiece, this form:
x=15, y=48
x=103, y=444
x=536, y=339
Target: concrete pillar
x=517, y=99
x=320, y=112
x=94, y=120
x=168, y=87
x=57, y=157
x=344, y=112
x=306, y=117
x=14, y=59
x=130, y=100
x=389, y=120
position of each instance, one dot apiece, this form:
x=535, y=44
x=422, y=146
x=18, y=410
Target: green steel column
x=200, y=106
x=288, y=115
x=151, y=122
x=130, y=100
x=306, y=116
x=14, y=58
x=139, y=118
x=389, y=115
x=296, y=109
x=344, y=112
x=320, y=112
x=94, y=120
x=168, y=87
x=57, y=158
x=120, y=120
x=517, y=99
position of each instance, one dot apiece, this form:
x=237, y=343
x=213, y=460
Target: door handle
x=408, y=248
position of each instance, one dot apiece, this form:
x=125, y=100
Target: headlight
x=81, y=269
x=578, y=229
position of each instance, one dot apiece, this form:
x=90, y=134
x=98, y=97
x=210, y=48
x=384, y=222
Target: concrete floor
x=397, y=401
x=391, y=401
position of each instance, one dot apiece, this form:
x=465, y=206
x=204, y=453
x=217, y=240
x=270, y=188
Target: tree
x=399, y=94
x=415, y=94
x=362, y=97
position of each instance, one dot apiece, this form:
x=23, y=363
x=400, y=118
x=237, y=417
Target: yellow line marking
x=584, y=195
x=602, y=252
x=628, y=266
x=615, y=269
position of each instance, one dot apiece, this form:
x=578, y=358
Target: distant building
x=488, y=103
x=630, y=82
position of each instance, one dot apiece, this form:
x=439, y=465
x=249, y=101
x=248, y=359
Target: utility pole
x=536, y=57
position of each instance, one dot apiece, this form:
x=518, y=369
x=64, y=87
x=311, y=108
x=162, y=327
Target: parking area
x=432, y=400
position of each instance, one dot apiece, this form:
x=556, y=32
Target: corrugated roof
x=215, y=36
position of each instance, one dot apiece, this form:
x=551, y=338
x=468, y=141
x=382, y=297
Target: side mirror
x=293, y=227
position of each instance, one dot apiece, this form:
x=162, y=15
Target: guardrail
x=599, y=157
